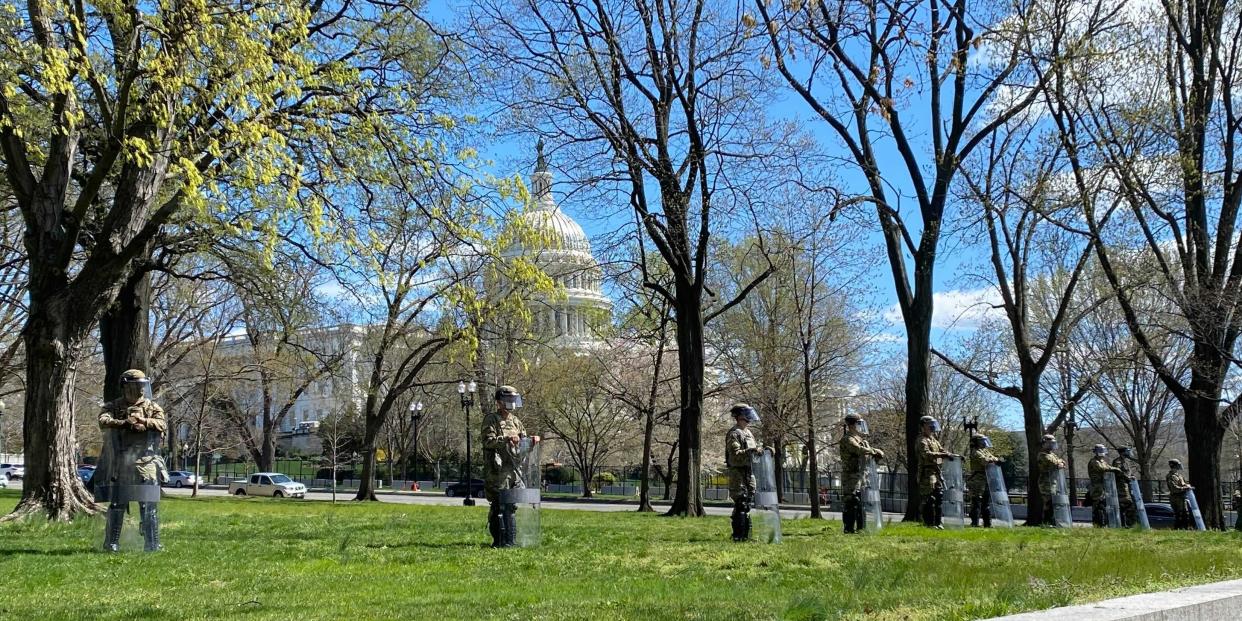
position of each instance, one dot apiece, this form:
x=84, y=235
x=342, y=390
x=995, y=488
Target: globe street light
x=466, y=391
x=416, y=413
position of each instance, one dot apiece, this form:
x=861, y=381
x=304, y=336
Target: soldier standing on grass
x=1177, y=496
x=1097, y=469
x=130, y=467
x=740, y=445
x=502, y=431
x=854, y=449
x=1050, y=466
x=977, y=485
x=931, y=484
x=1129, y=510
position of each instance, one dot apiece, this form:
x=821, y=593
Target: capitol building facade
x=572, y=317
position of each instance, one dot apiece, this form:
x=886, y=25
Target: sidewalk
x=1220, y=601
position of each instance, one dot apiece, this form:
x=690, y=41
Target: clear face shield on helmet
x=751, y=415
x=985, y=442
x=510, y=402
x=862, y=428
x=1100, y=451
x=1127, y=452
x=1051, y=444
x=135, y=390
x=933, y=425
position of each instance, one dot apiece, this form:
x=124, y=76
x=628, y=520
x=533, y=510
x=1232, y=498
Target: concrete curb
x=1208, y=602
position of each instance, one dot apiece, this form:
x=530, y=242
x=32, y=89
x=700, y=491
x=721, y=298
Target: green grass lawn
x=267, y=559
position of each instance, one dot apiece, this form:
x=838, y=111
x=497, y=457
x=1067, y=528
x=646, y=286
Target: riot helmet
x=981, y=441
x=932, y=423
x=857, y=423
x=1050, y=442
x=1175, y=464
x=509, y=398
x=1099, y=450
x=1126, y=452
x=741, y=410
x=135, y=385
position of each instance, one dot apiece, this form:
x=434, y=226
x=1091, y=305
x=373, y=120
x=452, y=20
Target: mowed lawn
x=273, y=559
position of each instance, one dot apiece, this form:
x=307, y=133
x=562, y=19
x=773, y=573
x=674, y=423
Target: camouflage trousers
x=741, y=483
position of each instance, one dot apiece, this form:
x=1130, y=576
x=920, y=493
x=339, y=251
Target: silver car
x=182, y=478
x=12, y=471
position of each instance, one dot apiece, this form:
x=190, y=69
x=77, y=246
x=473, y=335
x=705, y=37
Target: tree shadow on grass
x=423, y=544
x=33, y=552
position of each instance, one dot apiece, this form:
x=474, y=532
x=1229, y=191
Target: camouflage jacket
x=1177, y=483
x=979, y=460
x=496, y=444
x=853, y=449
x=931, y=454
x=739, y=444
x=1049, y=464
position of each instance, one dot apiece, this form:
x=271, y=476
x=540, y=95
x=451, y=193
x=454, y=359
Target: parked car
x=182, y=478
x=459, y=488
x=1159, y=514
x=12, y=471
x=268, y=484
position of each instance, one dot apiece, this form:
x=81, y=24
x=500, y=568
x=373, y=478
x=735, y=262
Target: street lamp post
x=185, y=455
x=466, y=391
x=1070, y=427
x=2, y=406
x=416, y=413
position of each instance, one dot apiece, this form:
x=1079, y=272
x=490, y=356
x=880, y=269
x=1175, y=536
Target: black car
x=1159, y=514
x=459, y=489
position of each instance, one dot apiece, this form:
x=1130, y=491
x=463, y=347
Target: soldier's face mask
x=510, y=402
x=862, y=428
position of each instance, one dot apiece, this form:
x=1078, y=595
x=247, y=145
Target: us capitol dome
x=573, y=319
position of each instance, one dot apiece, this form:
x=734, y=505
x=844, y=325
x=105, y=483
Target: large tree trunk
x=688, y=500
x=267, y=452
x=366, y=486
x=1033, y=424
x=778, y=465
x=1205, y=433
x=918, y=376
x=125, y=334
x=53, y=346
x=644, y=476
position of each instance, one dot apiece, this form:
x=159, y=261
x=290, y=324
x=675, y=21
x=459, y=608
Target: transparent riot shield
x=1060, y=502
x=1137, y=495
x=871, y=494
x=953, y=506
x=998, y=497
x=520, y=503
x=1112, y=506
x=129, y=471
x=1194, y=509
x=766, y=514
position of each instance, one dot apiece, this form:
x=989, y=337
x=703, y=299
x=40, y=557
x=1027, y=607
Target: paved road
x=430, y=499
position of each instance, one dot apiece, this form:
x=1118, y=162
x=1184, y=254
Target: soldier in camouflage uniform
x=130, y=468
x=854, y=449
x=1129, y=510
x=740, y=446
x=1097, y=469
x=1177, y=496
x=1237, y=507
x=502, y=430
x=977, y=483
x=1049, y=465
x=931, y=484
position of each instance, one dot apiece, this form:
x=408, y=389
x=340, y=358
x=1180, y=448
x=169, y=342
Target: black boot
x=112, y=531
x=928, y=513
x=746, y=526
x=495, y=527
x=974, y=512
x=149, y=513
x=986, y=510
x=860, y=517
x=510, y=525
x=848, y=515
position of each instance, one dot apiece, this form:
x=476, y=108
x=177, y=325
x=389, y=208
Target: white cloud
x=957, y=309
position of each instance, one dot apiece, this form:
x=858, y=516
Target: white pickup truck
x=268, y=484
